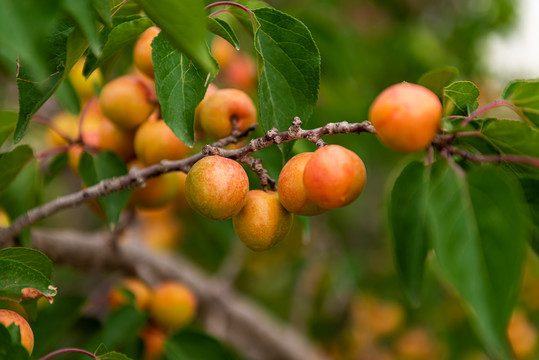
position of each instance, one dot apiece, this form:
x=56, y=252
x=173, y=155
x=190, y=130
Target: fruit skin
x=85, y=88
x=210, y=90
x=67, y=124
x=158, y=192
x=172, y=305
x=155, y=141
x=154, y=339
x=240, y=73
x=8, y=317
x=126, y=101
x=223, y=51
x=291, y=189
x=224, y=106
x=263, y=222
x=4, y=219
x=217, y=187
x=142, y=52
x=116, y=139
x=406, y=117
x=334, y=176
x=141, y=293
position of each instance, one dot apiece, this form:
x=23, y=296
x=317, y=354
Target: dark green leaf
x=8, y=121
x=523, y=94
x=530, y=185
x=122, y=326
x=408, y=225
x=81, y=11
x=437, y=79
x=16, y=278
x=125, y=31
x=11, y=164
x=180, y=87
x=32, y=258
x=102, y=8
x=221, y=28
x=67, y=97
x=479, y=234
x=193, y=345
x=113, y=355
x=55, y=166
x=9, y=348
x=513, y=137
x=289, y=69
x=183, y=23
x=460, y=97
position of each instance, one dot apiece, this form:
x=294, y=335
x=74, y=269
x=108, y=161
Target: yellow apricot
x=157, y=192
x=140, y=291
x=142, y=52
x=172, y=305
x=155, y=141
x=85, y=88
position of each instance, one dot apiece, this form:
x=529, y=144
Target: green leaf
x=289, y=70
x=183, y=23
x=193, y=345
x=113, y=355
x=479, y=235
x=512, y=137
x=530, y=186
x=12, y=163
x=105, y=166
x=437, y=79
x=82, y=12
x=11, y=348
x=122, y=326
x=408, y=226
x=55, y=166
x=19, y=281
x=460, y=98
x=221, y=28
x=67, y=97
x=180, y=87
x=102, y=8
x=8, y=121
x=124, y=32
x=32, y=258
x=524, y=94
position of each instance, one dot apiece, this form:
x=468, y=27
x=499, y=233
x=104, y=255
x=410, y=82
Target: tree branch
x=247, y=327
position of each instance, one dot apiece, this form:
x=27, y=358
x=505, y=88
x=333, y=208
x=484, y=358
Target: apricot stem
x=68, y=350
x=221, y=3
x=485, y=108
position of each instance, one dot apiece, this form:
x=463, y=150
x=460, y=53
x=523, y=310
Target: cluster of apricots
x=170, y=306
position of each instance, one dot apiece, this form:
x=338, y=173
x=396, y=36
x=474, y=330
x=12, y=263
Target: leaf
x=221, y=28
x=122, y=326
x=105, y=166
x=12, y=163
x=55, y=166
x=125, y=31
x=82, y=12
x=193, y=345
x=524, y=94
x=479, y=236
x=32, y=258
x=530, y=186
x=102, y=8
x=435, y=80
x=8, y=121
x=460, y=97
x=10, y=348
x=180, y=87
x=512, y=137
x=19, y=281
x=289, y=70
x=408, y=226
x=113, y=355
x=183, y=23
x=67, y=97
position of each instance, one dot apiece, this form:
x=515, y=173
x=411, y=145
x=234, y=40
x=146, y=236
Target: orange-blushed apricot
x=8, y=317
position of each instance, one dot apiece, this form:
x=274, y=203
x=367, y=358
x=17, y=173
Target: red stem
x=485, y=108
x=221, y=3
x=63, y=351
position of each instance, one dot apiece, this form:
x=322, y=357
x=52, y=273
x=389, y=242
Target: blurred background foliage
x=333, y=277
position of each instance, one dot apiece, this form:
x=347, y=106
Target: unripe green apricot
x=216, y=187
x=263, y=221
x=291, y=189
x=334, y=176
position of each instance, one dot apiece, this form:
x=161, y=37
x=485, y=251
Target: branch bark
x=241, y=323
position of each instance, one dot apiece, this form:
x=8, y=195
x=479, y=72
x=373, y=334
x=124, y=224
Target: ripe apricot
x=334, y=176
x=140, y=291
x=406, y=116
x=210, y=90
x=291, y=189
x=240, y=73
x=263, y=221
x=66, y=124
x=8, y=317
x=4, y=219
x=216, y=187
x=224, y=107
x=153, y=338
x=158, y=191
x=126, y=101
x=172, y=305
x=223, y=51
x=180, y=201
x=116, y=139
x=155, y=141
x=160, y=229
x=93, y=116
x=522, y=335
x=142, y=52
x=85, y=88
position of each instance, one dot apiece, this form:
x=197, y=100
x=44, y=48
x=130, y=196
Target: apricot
x=116, y=139
x=406, y=117
x=334, y=176
x=153, y=338
x=263, y=221
x=84, y=87
x=126, y=101
x=142, y=52
x=210, y=90
x=66, y=124
x=155, y=141
x=4, y=219
x=8, y=317
x=172, y=305
x=223, y=51
x=93, y=116
x=160, y=229
x=224, y=107
x=216, y=187
x=180, y=201
x=158, y=191
x=241, y=73
x=522, y=334
x=140, y=291
x=291, y=189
